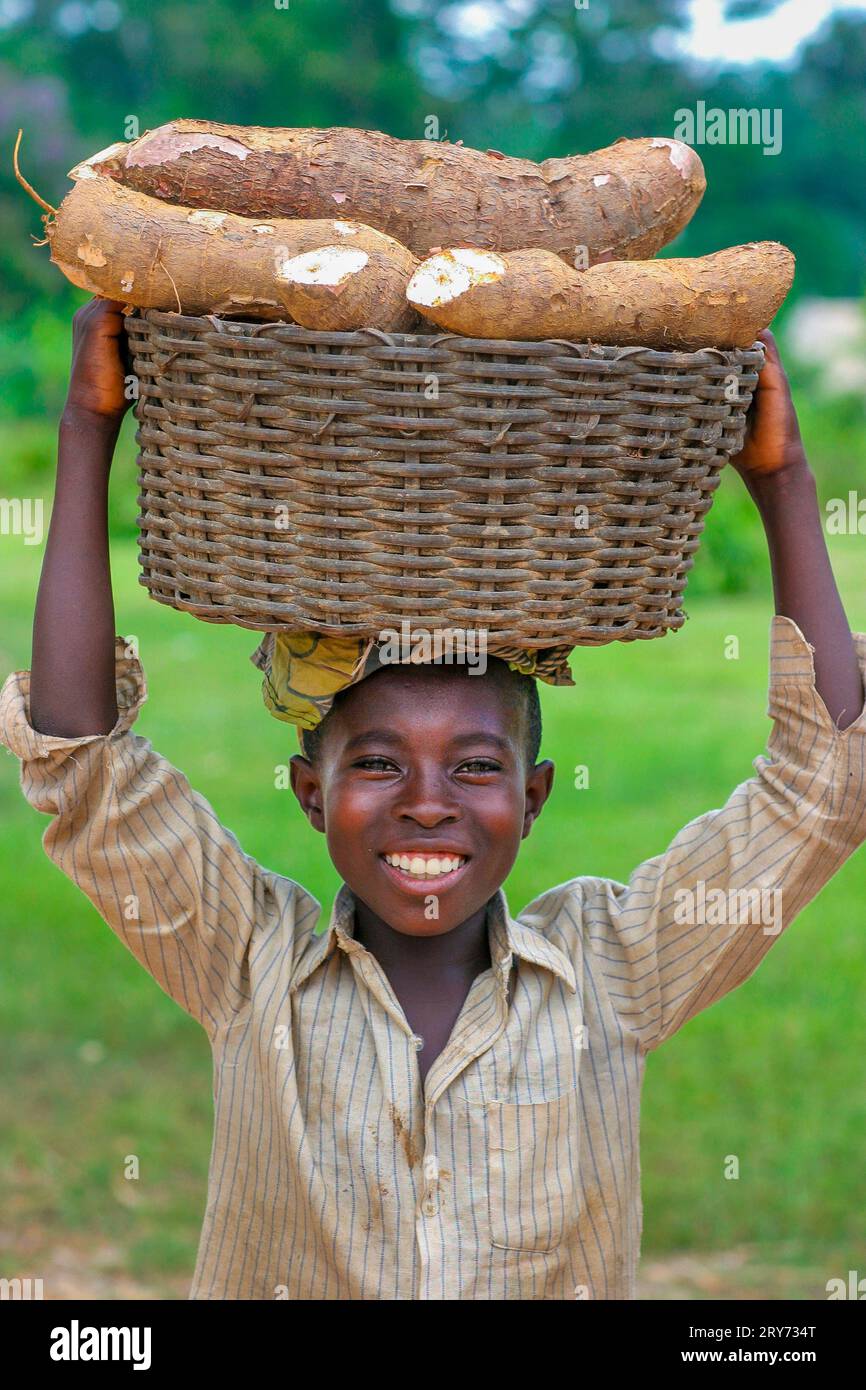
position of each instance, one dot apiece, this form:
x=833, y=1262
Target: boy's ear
x=307, y=786
x=538, y=787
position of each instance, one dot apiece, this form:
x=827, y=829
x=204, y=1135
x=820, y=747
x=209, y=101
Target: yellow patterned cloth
x=303, y=671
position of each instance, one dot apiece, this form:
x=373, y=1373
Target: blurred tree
x=541, y=77
x=532, y=77
x=78, y=76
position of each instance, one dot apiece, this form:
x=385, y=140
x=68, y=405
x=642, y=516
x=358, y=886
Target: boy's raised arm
x=774, y=468
x=170, y=880
x=694, y=922
x=72, y=687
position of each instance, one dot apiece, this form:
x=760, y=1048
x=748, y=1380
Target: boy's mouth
x=417, y=868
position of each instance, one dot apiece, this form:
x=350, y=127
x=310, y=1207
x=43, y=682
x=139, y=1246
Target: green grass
x=773, y=1074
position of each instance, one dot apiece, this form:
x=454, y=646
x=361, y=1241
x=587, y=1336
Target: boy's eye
x=473, y=767
x=479, y=766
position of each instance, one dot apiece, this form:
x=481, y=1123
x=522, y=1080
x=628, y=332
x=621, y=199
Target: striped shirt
x=514, y=1173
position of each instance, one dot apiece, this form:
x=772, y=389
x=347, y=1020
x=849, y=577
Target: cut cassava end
x=449, y=274
x=722, y=300
x=623, y=202
x=124, y=245
x=340, y=287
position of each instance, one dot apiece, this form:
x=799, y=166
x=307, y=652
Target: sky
x=774, y=37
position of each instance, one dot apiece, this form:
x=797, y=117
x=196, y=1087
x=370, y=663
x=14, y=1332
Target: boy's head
x=419, y=764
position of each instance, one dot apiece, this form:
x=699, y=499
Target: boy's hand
x=100, y=362
x=772, y=440
x=773, y=465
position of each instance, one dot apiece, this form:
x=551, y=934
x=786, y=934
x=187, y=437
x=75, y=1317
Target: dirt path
x=741, y=1273
x=82, y=1270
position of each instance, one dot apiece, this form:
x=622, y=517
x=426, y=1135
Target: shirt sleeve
x=696, y=921
x=149, y=852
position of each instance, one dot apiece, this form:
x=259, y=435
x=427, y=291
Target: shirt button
x=429, y=1206
x=417, y=1041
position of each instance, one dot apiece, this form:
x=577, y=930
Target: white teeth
x=421, y=867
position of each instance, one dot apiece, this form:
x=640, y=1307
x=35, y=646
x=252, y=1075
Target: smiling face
x=423, y=787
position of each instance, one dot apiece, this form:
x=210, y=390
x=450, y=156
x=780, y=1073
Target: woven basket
x=546, y=493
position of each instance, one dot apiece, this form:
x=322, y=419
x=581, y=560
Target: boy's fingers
x=100, y=308
x=772, y=376
x=108, y=319
x=771, y=353
x=114, y=306
x=773, y=364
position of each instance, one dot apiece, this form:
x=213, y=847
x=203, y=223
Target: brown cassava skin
x=124, y=245
x=722, y=300
x=623, y=202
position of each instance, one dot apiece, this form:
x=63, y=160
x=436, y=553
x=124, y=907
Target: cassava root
x=721, y=300
x=325, y=274
x=623, y=202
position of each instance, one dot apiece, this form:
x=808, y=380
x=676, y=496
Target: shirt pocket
x=532, y=1187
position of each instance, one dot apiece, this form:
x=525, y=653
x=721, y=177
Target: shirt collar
x=508, y=937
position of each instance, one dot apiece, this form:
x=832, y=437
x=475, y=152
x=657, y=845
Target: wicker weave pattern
x=547, y=492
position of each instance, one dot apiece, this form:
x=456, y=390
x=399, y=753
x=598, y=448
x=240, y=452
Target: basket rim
x=366, y=337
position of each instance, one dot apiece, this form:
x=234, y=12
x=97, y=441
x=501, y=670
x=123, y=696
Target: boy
x=417, y=1106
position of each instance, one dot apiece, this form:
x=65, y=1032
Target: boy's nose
x=427, y=798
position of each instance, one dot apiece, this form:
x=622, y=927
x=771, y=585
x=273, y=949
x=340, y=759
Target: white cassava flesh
x=330, y=265
x=443, y=277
